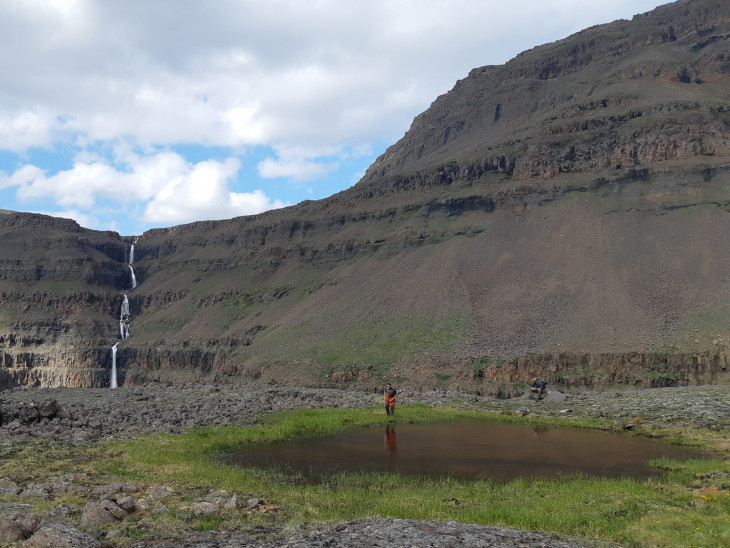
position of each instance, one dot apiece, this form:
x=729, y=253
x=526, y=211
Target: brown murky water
x=467, y=450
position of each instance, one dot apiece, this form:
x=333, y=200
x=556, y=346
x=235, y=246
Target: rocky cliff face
x=612, y=97
x=565, y=215
x=58, y=289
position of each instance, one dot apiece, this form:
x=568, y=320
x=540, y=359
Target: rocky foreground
x=83, y=416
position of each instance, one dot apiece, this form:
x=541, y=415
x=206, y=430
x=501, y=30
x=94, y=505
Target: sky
x=127, y=115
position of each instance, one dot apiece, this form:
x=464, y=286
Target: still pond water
x=466, y=450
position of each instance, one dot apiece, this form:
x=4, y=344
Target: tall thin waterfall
x=114, y=366
x=134, y=278
x=130, y=257
x=124, y=319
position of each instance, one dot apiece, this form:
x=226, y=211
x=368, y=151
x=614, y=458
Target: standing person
x=390, y=394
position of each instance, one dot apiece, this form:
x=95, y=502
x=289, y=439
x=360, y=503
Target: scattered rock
x=99, y=513
x=218, y=497
x=435, y=534
x=232, y=503
x=160, y=492
x=61, y=535
x=63, y=511
x=114, y=488
x=160, y=508
x=19, y=526
x=553, y=396
x=11, y=531
x=48, y=409
x=36, y=490
x=128, y=504
x=8, y=487
x=253, y=503
x=204, y=509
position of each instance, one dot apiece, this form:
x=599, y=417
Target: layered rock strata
x=563, y=215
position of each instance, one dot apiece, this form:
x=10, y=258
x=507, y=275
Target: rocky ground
x=82, y=416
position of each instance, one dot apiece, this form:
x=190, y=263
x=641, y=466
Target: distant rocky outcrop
x=565, y=214
x=610, y=97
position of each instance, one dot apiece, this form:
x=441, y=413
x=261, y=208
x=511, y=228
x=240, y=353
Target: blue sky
x=131, y=114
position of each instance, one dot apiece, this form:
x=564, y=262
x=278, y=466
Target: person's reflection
x=390, y=443
x=539, y=431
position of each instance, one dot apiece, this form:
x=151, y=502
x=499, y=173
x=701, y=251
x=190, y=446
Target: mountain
x=563, y=215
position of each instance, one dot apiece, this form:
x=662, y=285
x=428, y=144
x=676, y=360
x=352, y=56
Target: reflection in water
x=390, y=442
x=470, y=450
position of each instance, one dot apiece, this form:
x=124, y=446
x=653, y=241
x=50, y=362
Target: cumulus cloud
x=87, y=182
x=297, y=169
x=202, y=192
x=302, y=163
x=25, y=128
x=171, y=189
x=84, y=219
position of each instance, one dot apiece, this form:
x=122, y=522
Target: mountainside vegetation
x=565, y=215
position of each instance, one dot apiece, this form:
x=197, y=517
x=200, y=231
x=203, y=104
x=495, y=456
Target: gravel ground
x=387, y=533
x=81, y=416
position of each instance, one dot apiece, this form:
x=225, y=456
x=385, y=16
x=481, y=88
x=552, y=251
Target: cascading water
x=124, y=319
x=114, y=366
x=134, y=278
x=131, y=260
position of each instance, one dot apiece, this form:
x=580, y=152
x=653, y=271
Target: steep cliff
x=59, y=284
x=566, y=214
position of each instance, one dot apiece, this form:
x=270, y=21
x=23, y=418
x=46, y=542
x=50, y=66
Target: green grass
x=58, y=286
x=671, y=510
x=383, y=343
x=231, y=312
x=163, y=326
x=655, y=512
x=668, y=349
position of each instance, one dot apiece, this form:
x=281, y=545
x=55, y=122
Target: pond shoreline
x=84, y=417
x=84, y=414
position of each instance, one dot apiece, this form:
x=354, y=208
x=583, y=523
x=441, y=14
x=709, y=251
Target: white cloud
x=171, y=189
x=23, y=175
x=248, y=72
x=202, y=192
x=87, y=182
x=296, y=169
x=306, y=163
x=25, y=128
x=84, y=219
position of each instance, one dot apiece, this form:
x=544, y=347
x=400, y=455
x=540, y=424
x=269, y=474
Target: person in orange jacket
x=390, y=394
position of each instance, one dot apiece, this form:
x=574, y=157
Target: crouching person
x=537, y=388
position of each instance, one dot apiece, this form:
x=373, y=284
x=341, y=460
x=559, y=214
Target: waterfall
x=114, y=366
x=131, y=250
x=124, y=319
x=129, y=257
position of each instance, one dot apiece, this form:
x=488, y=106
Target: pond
x=466, y=450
